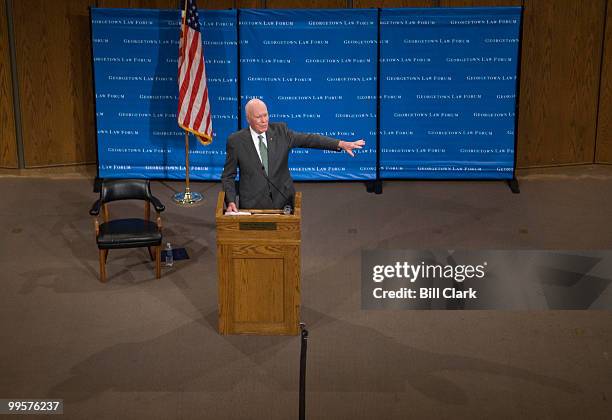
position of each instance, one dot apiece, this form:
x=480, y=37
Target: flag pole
x=187, y=198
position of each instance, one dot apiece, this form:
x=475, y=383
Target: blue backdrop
x=447, y=89
x=448, y=86
x=135, y=55
x=316, y=70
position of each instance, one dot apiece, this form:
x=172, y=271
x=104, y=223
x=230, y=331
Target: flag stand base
x=187, y=198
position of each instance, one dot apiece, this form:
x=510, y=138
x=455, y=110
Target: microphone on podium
x=288, y=209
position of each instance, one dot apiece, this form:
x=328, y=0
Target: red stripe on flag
x=198, y=120
x=193, y=89
x=190, y=61
x=194, y=94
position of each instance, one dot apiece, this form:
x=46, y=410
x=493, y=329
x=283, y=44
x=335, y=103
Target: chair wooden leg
x=158, y=261
x=103, y=253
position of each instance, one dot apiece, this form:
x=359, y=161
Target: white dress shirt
x=255, y=138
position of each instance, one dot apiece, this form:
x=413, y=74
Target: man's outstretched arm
x=311, y=140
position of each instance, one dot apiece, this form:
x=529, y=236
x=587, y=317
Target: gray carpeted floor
x=137, y=347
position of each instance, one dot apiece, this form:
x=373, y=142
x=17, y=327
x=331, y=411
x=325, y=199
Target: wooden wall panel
x=603, y=145
x=8, y=142
x=305, y=4
x=560, y=70
x=231, y=4
x=218, y=5
x=394, y=3
x=480, y=3
x=250, y=4
x=52, y=41
x=139, y=4
x=172, y=4
x=436, y=3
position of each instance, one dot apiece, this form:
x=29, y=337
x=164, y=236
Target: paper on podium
x=237, y=213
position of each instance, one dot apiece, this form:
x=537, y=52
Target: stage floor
x=137, y=347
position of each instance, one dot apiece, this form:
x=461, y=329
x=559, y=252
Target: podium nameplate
x=257, y=226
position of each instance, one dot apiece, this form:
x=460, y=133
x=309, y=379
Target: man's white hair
x=249, y=105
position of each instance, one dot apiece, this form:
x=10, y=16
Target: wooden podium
x=258, y=265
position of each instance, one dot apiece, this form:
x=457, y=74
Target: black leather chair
x=127, y=233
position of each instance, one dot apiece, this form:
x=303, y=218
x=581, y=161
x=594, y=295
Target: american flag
x=193, y=104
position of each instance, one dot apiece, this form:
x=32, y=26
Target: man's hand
x=349, y=146
x=231, y=207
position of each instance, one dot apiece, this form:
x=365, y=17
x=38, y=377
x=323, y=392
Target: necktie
x=263, y=151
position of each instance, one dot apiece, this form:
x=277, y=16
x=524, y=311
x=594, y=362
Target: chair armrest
x=159, y=207
x=95, y=209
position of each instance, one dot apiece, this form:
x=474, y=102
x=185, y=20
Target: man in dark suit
x=261, y=152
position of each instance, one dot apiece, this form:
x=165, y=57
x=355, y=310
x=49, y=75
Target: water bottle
x=169, y=256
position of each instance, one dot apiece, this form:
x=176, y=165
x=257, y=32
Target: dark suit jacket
x=256, y=192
